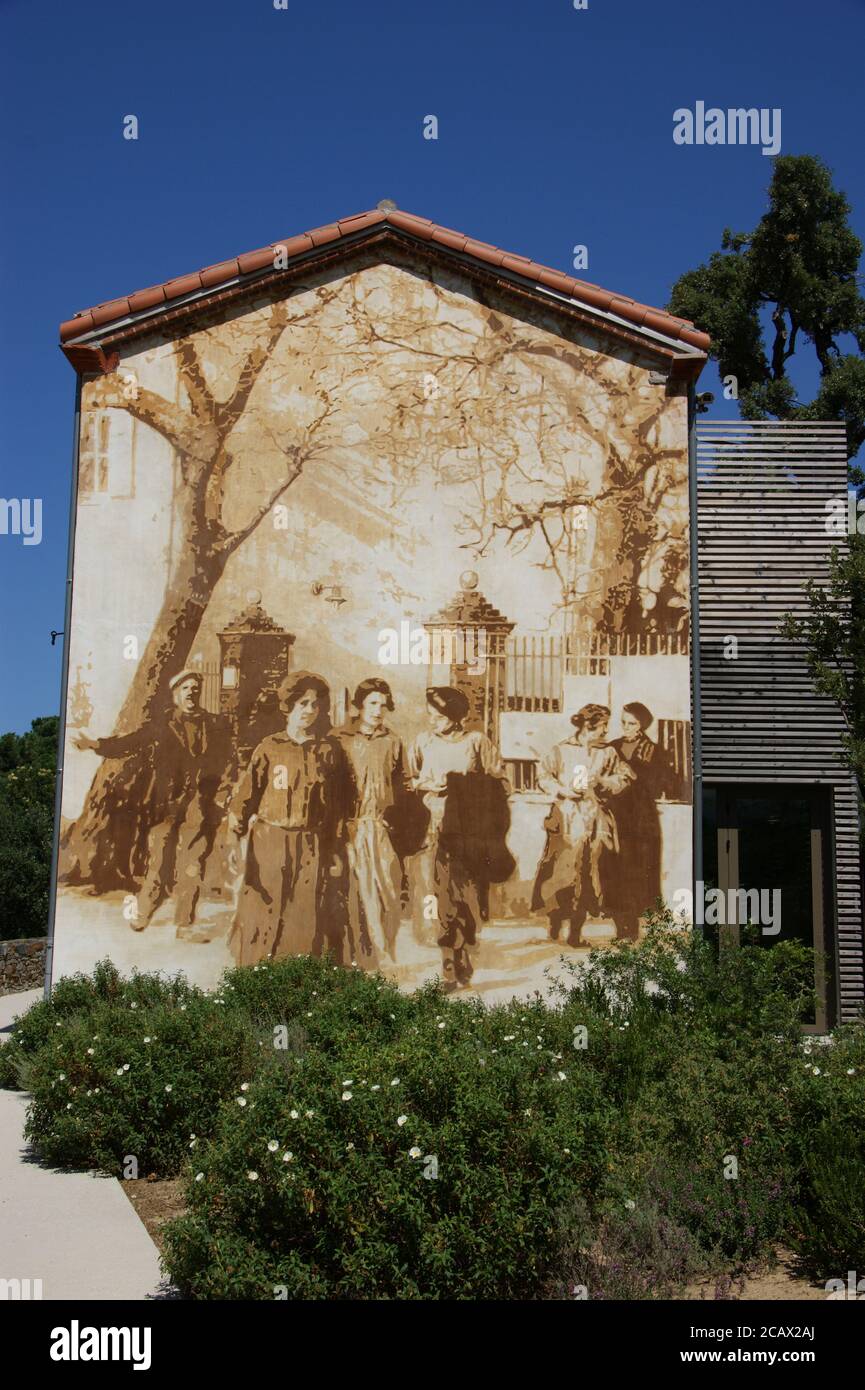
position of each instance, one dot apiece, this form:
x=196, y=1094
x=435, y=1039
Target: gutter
x=696, y=697
x=64, y=687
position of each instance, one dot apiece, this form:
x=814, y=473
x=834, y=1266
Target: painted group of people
x=345, y=825
x=603, y=848
x=347, y=830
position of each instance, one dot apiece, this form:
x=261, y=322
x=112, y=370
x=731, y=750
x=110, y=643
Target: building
x=383, y=449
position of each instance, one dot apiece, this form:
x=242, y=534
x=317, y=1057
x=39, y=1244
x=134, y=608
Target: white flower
x=89, y=1093
x=272, y=1145
x=401, y=1119
x=183, y=1011
x=192, y=1143
x=393, y=1015
x=414, y=1152
x=241, y=1100
x=348, y=1083
x=69, y=1105
x=509, y=1037
x=851, y=1071
x=198, y=1177
x=96, y=1091
x=252, y=1175
x=309, y=1014
x=126, y=1066
x=346, y=1095
x=630, y=1204
x=245, y=1086
x=133, y=1006
x=562, y=1075
x=567, y=1151
x=295, y=1114
x=146, y=1040
x=61, y=1076
x=309, y=1114
x=395, y=1081
x=90, y=1051
x=441, y=1025
x=375, y=1088
x=349, y=1146
x=816, y=1071
x=169, y=1088
x=287, y=1156
x=119, y=1071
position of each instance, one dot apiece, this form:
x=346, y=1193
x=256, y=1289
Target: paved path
x=75, y=1231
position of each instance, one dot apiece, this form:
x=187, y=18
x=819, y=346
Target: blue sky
x=555, y=128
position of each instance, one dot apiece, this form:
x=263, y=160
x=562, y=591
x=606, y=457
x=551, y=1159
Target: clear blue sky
x=555, y=128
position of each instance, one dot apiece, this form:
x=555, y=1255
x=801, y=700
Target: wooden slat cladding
x=763, y=489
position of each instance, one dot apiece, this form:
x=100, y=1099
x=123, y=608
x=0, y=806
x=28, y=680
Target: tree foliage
x=27, y=771
x=792, y=280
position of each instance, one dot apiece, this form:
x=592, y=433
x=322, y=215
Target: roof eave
x=679, y=353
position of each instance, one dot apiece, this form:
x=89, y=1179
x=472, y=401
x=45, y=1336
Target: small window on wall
x=93, y=458
x=106, y=462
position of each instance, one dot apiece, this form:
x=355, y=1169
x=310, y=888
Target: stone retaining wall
x=22, y=964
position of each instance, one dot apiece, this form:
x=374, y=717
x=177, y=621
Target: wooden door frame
x=727, y=829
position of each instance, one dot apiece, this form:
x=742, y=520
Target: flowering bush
x=427, y=1166
x=830, y=1152
x=122, y=1070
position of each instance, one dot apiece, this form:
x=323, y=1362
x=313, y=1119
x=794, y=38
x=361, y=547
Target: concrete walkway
x=76, y=1232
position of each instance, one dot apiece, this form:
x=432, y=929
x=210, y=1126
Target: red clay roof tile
x=583, y=291
x=218, y=274
x=146, y=299
x=255, y=260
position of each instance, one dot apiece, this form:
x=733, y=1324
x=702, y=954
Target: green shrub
x=431, y=1166
x=830, y=1133
x=128, y=1069
x=626, y=1251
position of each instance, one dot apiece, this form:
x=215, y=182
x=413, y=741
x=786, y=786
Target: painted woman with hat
x=292, y=899
x=584, y=775
x=451, y=767
x=636, y=883
x=374, y=794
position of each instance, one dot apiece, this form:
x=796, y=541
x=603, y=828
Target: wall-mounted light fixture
x=332, y=593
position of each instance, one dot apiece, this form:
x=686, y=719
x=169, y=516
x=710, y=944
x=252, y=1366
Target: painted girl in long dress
x=637, y=883
x=291, y=902
x=449, y=766
x=584, y=775
x=376, y=787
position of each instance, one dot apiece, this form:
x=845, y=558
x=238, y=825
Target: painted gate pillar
x=468, y=637
x=255, y=657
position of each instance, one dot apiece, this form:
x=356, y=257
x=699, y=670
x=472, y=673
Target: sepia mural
x=380, y=638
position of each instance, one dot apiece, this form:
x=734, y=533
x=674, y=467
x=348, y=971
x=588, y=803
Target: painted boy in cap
x=188, y=753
